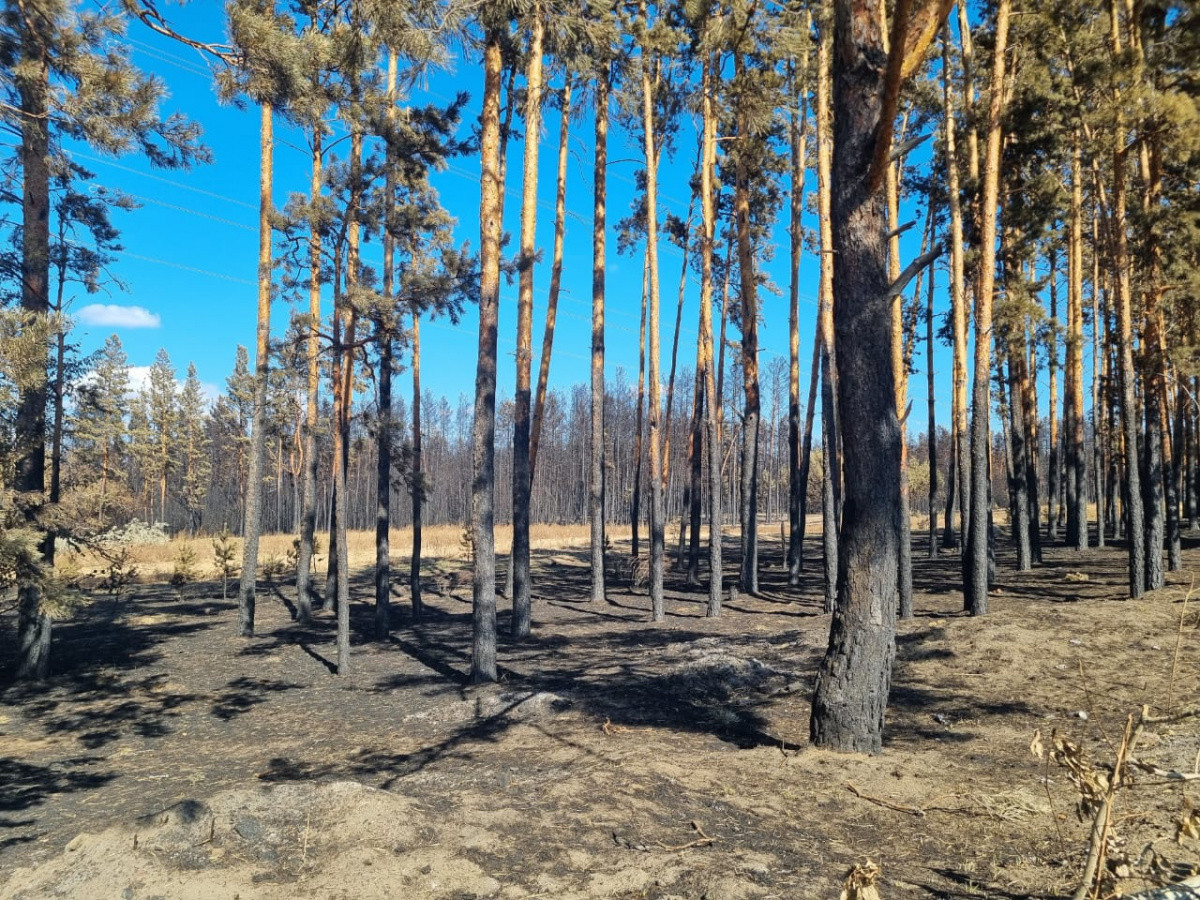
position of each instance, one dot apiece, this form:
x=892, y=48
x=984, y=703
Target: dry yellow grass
x=156, y=562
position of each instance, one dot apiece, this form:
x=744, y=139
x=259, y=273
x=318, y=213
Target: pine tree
x=849, y=699
x=67, y=79
x=192, y=446
x=100, y=424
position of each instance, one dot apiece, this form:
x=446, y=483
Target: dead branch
x=904, y=148
x=879, y=801
x=897, y=287
x=703, y=841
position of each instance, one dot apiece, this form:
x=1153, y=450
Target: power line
x=151, y=175
x=186, y=268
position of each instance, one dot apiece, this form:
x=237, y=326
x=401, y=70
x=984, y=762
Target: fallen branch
x=703, y=841
x=1164, y=773
x=879, y=801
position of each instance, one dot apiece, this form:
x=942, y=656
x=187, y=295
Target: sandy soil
x=167, y=758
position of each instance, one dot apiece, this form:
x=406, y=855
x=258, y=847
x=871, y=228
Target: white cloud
x=112, y=315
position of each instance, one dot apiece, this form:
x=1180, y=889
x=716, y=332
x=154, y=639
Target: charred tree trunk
x=596, y=443
x=262, y=363
x=522, y=484
x=483, y=432
x=32, y=81
x=305, y=592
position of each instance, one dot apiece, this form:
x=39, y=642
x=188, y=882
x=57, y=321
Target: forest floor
x=616, y=758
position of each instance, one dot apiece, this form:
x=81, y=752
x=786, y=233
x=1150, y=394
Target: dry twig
x=898, y=807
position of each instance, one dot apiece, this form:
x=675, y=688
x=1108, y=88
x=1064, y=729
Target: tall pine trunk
x=797, y=468
x=654, y=423
x=418, y=473
x=976, y=569
x=831, y=471
x=385, y=339
x=958, y=310
x=1077, y=536
x=854, y=676
x=712, y=412
x=556, y=266
x=252, y=524
x=522, y=485
x=1126, y=374
x=483, y=432
x=748, y=579
x=596, y=442
x=308, y=499
x=32, y=79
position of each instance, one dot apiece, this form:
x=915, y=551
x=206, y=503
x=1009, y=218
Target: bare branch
x=898, y=286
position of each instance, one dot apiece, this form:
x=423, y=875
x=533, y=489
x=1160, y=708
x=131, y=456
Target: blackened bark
x=854, y=677
x=252, y=525
x=596, y=445
x=308, y=499
x=383, y=485
x=418, y=474
x=1153, y=487
x=483, y=432
x=33, y=85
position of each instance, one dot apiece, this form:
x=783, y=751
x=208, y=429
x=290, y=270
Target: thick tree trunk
x=522, y=485
x=596, y=444
x=975, y=560
x=252, y=523
x=33, y=84
x=854, y=677
x=308, y=501
x=483, y=432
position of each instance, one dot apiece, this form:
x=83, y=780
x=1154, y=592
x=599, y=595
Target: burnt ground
x=607, y=754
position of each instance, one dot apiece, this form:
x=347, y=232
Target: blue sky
x=191, y=249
